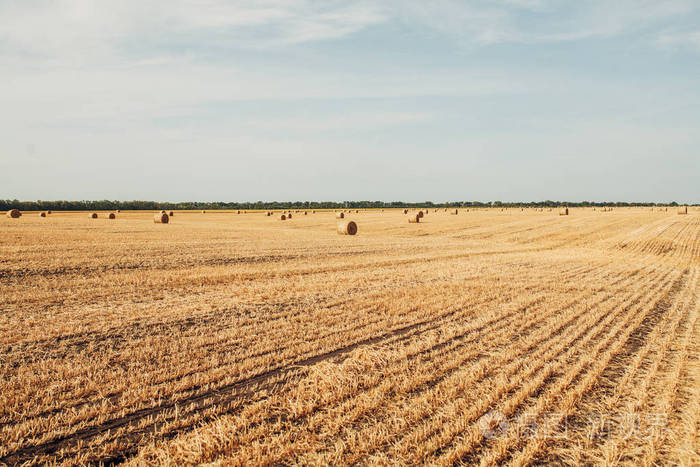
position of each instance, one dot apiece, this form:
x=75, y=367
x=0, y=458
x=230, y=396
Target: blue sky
x=390, y=100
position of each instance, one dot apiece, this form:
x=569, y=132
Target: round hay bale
x=171, y=214
x=238, y=212
x=118, y=211
x=283, y=217
x=14, y=214
x=111, y=216
x=683, y=210
x=203, y=211
x=289, y=216
x=420, y=214
x=313, y=212
x=413, y=219
x=454, y=212
x=161, y=218
x=162, y=211
x=405, y=211
x=339, y=215
x=564, y=211
x=306, y=213
x=347, y=228
x=43, y=214
x=49, y=212
x=93, y=215
x=268, y=213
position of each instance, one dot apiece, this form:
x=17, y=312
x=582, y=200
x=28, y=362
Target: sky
x=508, y=100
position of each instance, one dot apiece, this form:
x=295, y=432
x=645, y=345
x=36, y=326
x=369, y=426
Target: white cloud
x=677, y=39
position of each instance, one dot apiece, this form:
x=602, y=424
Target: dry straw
x=161, y=218
x=347, y=228
x=339, y=215
x=14, y=214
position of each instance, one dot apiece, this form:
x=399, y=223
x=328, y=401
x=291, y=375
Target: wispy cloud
x=679, y=39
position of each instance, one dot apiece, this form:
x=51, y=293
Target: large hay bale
x=564, y=211
x=161, y=218
x=420, y=214
x=43, y=214
x=111, y=216
x=14, y=214
x=93, y=215
x=339, y=215
x=413, y=219
x=454, y=212
x=283, y=217
x=347, y=228
x=683, y=210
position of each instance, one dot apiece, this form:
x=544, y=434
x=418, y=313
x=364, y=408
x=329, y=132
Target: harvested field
x=516, y=337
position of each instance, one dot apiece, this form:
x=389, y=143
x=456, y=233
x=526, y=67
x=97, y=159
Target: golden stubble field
x=519, y=337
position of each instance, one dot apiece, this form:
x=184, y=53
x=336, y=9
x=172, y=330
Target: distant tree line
x=107, y=205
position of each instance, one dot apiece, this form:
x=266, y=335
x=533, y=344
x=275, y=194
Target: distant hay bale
x=14, y=214
x=289, y=216
x=564, y=211
x=313, y=212
x=420, y=214
x=43, y=214
x=413, y=219
x=454, y=212
x=49, y=212
x=347, y=228
x=683, y=210
x=306, y=213
x=339, y=215
x=93, y=215
x=162, y=212
x=171, y=214
x=268, y=213
x=118, y=211
x=203, y=211
x=238, y=212
x=161, y=218
x=111, y=216
x=405, y=211
x=283, y=217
